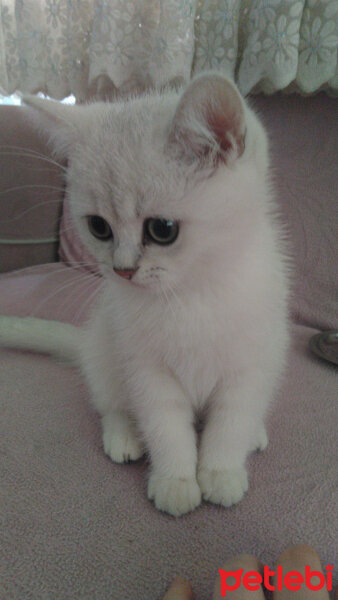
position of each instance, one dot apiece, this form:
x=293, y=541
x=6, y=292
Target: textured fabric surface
x=76, y=526
x=103, y=46
x=304, y=144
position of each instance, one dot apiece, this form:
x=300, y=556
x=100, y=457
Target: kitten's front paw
x=226, y=486
x=120, y=441
x=174, y=495
x=122, y=447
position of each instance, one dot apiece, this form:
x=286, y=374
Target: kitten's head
x=155, y=183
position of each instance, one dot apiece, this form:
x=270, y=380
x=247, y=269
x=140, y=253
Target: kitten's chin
x=154, y=287
x=130, y=284
x=151, y=287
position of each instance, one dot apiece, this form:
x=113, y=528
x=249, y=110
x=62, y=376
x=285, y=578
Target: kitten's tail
x=50, y=337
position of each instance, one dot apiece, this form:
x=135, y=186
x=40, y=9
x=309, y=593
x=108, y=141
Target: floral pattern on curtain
x=103, y=47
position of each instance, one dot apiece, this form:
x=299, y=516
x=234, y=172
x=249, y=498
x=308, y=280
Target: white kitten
x=195, y=314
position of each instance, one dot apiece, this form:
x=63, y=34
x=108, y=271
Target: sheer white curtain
x=101, y=47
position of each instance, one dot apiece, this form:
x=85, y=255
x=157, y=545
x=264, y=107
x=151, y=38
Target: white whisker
x=32, y=185
x=57, y=291
x=29, y=153
x=32, y=208
x=57, y=268
x=88, y=301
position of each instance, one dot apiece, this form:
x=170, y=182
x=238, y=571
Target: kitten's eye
x=99, y=227
x=161, y=231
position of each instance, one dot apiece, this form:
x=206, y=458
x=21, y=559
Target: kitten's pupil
x=99, y=227
x=161, y=231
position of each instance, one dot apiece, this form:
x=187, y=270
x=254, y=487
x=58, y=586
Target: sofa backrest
x=31, y=193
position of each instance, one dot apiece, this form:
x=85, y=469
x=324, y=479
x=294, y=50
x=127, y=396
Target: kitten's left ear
x=60, y=122
x=210, y=119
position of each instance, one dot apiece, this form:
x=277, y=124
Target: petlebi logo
x=290, y=580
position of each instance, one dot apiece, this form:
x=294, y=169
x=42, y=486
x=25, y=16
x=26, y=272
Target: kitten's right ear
x=209, y=122
x=59, y=122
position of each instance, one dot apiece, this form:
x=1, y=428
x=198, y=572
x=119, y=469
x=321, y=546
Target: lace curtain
x=103, y=47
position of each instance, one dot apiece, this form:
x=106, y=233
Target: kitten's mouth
x=126, y=273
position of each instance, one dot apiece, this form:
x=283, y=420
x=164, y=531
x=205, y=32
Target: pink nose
x=125, y=273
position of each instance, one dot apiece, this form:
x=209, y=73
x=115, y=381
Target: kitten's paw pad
x=225, y=487
x=174, y=495
x=122, y=446
x=262, y=440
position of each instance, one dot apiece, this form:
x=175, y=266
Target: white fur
x=202, y=326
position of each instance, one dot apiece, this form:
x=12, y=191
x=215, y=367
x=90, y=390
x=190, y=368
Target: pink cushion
x=51, y=291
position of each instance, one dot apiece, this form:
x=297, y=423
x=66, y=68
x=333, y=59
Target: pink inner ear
x=219, y=125
x=222, y=126
x=226, y=120
x=214, y=102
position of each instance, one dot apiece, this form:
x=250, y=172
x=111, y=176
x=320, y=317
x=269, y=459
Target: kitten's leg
x=120, y=439
x=234, y=428
x=165, y=417
x=261, y=439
